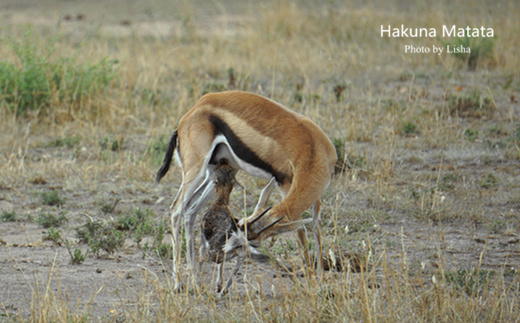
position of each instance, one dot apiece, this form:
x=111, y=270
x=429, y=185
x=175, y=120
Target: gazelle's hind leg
x=176, y=247
x=201, y=196
x=194, y=192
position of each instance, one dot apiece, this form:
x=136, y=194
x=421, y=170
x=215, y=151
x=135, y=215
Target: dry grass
x=431, y=189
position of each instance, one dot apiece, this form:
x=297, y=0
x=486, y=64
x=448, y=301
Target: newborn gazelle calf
x=221, y=238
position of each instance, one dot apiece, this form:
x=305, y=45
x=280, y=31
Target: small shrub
x=473, y=105
x=470, y=134
x=338, y=91
x=42, y=76
x=53, y=235
x=164, y=251
x=409, y=128
x=392, y=105
x=77, y=257
x=48, y=220
x=139, y=222
x=108, y=206
x=68, y=142
x=496, y=130
x=489, y=181
x=107, y=239
x=339, y=145
x=515, y=137
x=114, y=145
x=448, y=182
x=480, y=49
x=469, y=281
x=88, y=230
x=497, y=226
x=156, y=150
x=52, y=198
x=8, y=216
x=100, y=236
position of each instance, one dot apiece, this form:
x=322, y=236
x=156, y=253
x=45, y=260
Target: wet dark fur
x=218, y=223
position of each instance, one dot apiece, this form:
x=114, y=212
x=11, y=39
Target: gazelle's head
x=262, y=226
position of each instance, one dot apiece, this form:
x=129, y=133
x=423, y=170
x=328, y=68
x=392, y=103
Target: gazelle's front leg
x=316, y=222
x=176, y=248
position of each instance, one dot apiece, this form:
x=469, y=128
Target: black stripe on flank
x=243, y=151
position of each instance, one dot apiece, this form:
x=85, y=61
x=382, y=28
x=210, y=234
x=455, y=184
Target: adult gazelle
x=262, y=138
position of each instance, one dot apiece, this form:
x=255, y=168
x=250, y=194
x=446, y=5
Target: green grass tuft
x=41, y=77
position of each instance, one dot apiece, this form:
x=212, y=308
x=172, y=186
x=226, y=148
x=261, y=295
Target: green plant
x=52, y=198
x=108, y=206
x=480, y=48
x=495, y=129
x=515, y=137
x=100, y=236
x=68, y=142
x=48, y=220
x=8, y=216
x=473, y=105
x=112, y=144
x=469, y=281
x=108, y=239
x=77, y=257
x=137, y=221
x=338, y=91
x=339, y=145
x=156, y=150
x=164, y=251
x=448, y=181
x=489, y=181
x=470, y=134
x=88, y=230
x=497, y=226
x=42, y=75
x=409, y=128
x=53, y=235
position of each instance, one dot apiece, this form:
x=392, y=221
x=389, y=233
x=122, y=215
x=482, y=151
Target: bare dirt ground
x=404, y=231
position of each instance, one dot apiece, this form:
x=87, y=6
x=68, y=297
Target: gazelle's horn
x=238, y=185
x=258, y=217
x=269, y=225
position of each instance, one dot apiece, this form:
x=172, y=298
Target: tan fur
x=287, y=140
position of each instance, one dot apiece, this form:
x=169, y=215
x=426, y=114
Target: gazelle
x=264, y=139
x=221, y=238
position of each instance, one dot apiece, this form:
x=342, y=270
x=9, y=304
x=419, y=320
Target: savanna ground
x=429, y=196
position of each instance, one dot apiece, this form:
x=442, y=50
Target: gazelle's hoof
x=179, y=288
